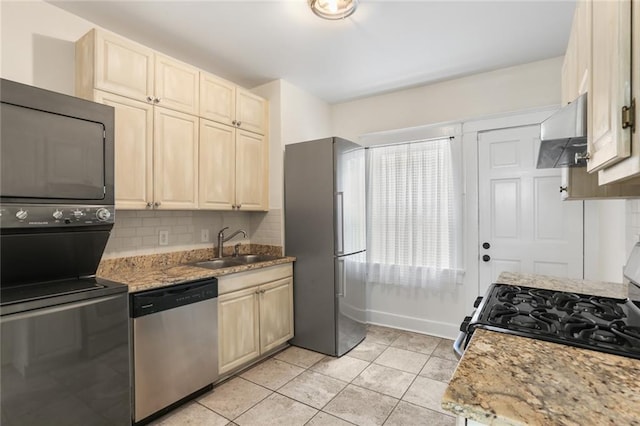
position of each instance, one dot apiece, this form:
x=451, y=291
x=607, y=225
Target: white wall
x=509, y=89
x=37, y=44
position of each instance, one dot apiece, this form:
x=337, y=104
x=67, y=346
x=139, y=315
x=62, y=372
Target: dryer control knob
x=103, y=214
x=22, y=214
x=57, y=215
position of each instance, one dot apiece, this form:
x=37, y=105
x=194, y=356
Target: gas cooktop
x=590, y=322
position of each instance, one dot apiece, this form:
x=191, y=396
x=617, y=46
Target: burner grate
x=606, y=324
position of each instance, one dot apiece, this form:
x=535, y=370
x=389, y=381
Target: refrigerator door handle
x=340, y=224
x=341, y=276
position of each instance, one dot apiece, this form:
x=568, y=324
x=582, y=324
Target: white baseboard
x=418, y=325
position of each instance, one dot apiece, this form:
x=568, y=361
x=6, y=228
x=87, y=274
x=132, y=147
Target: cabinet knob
x=156, y=204
x=238, y=206
x=563, y=189
x=149, y=99
x=156, y=100
x=234, y=122
x=149, y=205
x=581, y=156
x=239, y=123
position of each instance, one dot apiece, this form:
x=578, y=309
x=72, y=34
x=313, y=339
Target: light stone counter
x=161, y=270
x=595, y=288
x=509, y=380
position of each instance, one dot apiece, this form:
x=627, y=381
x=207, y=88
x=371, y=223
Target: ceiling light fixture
x=333, y=9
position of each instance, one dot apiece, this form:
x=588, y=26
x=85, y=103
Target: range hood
x=563, y=135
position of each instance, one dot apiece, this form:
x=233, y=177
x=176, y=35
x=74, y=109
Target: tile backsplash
x=138, y=232
x=632, y=224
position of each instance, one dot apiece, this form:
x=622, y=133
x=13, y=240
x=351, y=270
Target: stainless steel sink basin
x=254, y=258
x=218, y=263
x=226, y=262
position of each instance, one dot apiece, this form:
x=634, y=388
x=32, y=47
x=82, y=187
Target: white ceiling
x=384, y=46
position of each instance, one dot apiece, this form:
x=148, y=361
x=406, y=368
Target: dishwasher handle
x=165, y=298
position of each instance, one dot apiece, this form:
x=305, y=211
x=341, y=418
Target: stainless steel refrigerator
x=324, y=190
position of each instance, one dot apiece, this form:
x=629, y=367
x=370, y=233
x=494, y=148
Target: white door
x=523, y=221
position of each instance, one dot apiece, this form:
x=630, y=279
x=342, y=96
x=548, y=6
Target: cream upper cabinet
x=252, y=174
x=177, y=85
x=609, y=84
x=158, y=102
x=114, y=64
x=251, y=112
x=229, y=104
x=133, y=150
x=575, y=68
x=276, y=313
x=255, y=314
x=175, y=160
x=217, y=99
x=238, y=329
x=233, y=168
x=217, y=166
x=630, y=167
x=578, y=184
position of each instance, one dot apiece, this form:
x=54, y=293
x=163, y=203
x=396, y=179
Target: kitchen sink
x=254, y=258
x=218, y=263
x=226, y=262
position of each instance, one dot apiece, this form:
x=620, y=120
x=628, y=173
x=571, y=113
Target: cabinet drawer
x=241, y=280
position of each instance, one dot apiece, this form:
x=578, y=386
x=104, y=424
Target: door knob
x=486, y=258
x=486, y=246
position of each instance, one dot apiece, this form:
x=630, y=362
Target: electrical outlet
x=163, y=238
x=204, y=235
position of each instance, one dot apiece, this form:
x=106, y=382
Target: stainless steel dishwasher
x=175, y=346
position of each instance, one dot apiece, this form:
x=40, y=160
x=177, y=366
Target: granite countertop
x=510, y=380
x=161, y=270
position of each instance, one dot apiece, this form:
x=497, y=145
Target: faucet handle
x=236, y=250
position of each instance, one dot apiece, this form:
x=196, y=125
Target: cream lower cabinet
x=234, y=168
x=255, y=314
x=156, y=155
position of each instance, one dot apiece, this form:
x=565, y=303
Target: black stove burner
x=599, y=323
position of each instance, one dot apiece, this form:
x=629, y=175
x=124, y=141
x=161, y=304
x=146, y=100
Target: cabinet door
x=177, y=85
x=630, y=167
x=133, y=150
x=175, y=160
x=276, y=313
x=238, y=329
x=251, y=111
x=610, y=83
x=252, y=174
x=570, y=67
x=217, y=99
x=217, y=166
x=123, y=67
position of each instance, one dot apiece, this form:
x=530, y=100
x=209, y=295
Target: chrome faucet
x=222, y=239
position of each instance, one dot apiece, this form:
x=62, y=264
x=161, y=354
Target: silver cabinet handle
x=581, y=156
x=340, y=219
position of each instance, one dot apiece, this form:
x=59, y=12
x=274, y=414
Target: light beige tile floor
x=392, y=378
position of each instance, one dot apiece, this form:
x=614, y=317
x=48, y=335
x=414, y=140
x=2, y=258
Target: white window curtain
x=414, y=215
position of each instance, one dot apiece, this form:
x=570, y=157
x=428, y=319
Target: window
x=413, y=213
